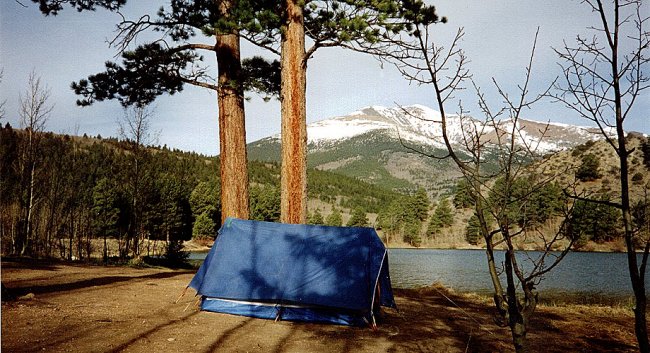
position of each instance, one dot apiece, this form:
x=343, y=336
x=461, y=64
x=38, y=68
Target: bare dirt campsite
x=60, y=307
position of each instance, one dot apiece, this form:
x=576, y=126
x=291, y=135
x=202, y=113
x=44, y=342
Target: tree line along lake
x=584, y=277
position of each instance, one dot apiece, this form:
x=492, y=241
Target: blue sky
x=498, y=39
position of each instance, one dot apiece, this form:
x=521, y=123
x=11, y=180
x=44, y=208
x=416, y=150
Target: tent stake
x=181, y=296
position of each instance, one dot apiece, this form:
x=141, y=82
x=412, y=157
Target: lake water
x=466, y=270
x=584, y=274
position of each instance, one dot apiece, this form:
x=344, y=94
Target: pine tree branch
x=198, y=83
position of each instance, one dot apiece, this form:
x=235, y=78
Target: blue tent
x=295, y=272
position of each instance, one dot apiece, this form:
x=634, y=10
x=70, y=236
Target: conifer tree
x=442, y=217
x=645, y=149
x=204, y=227
x=265, y=203
x=152, y=69
x=463, y=197
x=593, y=221
x=358, y=219
x=473, y=230
x=315, y=218
x=443, y=210
x=412, y=232
x=334, y=218
x=9, y=180
x=435, y=225
x=173, y=205
x=205, y=199
x=105, y=211
x=421, y=204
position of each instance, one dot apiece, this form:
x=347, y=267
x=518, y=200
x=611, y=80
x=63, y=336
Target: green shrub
x=580, y=149
x=645, y=149
x=588, y=170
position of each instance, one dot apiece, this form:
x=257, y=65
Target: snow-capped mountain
x=369, y=144
x=422, y=125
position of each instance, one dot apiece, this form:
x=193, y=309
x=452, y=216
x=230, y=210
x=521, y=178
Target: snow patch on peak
x=422, y=111
x=340, y=128
x=416, y=123
x=369, y=110
x=421, y=124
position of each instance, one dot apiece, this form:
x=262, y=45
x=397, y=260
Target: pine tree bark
x=232, y=130
x=293, y=198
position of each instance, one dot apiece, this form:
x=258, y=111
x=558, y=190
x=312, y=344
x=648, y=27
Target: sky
x=498, y=40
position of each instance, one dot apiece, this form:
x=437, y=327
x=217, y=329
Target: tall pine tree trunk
x=232, y=129
x=293, y=199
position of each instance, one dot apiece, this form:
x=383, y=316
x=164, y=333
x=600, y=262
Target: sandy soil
x=81, y=308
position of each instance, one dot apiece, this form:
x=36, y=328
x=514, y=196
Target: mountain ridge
x=421, y=124
x=378, y=144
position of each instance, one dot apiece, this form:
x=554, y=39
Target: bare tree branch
x=606, y=95
x=34, y=107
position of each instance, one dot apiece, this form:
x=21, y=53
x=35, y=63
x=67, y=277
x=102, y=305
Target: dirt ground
x=83, y=308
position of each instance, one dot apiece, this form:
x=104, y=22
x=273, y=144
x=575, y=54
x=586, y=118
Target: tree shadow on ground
x=26, y=262
x=224, y=336
x=434, y=312
x=144, y=334
x=434, y=319
x=87, y=283
x=425, y=323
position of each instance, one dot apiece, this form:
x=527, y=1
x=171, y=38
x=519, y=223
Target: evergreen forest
x=71, y=197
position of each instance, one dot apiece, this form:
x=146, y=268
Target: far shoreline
x=612, y=247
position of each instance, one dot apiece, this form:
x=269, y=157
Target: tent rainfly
x=295, y=272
